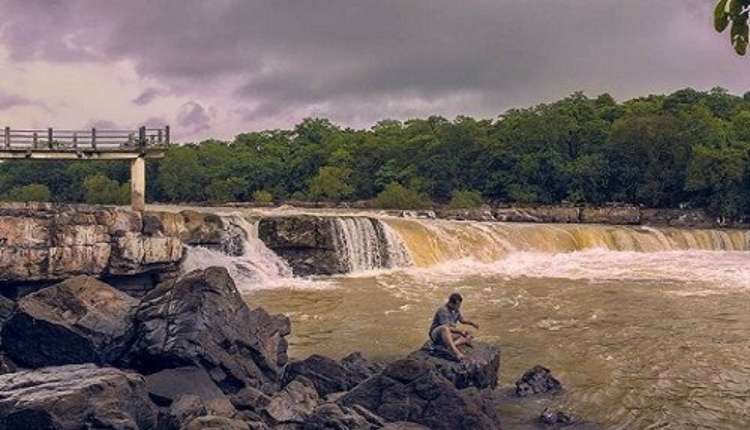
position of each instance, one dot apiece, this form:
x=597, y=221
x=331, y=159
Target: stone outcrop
x=413, y=390
x=679, y=218
x=201, y=320
x=484, y=214
x=293, y=404
x=307, y=243
x=326, y=375
x=75, y=397
x=81, y=320
x=45, y=242
x=479, y=370
x=329, y=416
x=622, y=215
x=536, y=214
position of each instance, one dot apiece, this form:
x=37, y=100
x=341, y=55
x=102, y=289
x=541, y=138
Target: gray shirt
x=445, y=316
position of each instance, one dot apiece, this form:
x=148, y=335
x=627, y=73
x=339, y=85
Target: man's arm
x=462, y=320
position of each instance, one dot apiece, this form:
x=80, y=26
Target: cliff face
x=44, y=242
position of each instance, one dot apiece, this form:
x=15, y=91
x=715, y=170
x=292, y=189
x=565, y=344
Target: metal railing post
x=142, y=137
x=75, y=139
x=7, y=137
x=93, y=138
x=49, y=137
x=166, y=134
x=36, y=139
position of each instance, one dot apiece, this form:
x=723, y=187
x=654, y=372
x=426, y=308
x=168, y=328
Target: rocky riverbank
x=191, y=354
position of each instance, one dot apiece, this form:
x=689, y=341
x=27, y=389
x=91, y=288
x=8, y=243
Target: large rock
x=182, y=412
x=201, y=320
x=331, y=416
x=168, y=386
x=414, y=390
x=478, y=370
x=75, y=397
x=327, y=375
x=46, y=242
x=359, y=367
x=293, y=405
x=537, y=380
x=307, y=243
x=213, y=422
x=81, y=320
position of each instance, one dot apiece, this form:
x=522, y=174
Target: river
x=647, y=328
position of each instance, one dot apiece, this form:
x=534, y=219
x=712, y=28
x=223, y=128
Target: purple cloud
x=193, y=117
x=147, y=96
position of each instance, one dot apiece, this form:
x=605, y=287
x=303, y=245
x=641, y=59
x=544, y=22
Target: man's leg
x=462, y=340
x=447, y=337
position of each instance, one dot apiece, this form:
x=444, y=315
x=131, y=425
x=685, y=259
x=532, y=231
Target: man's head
x=454, y=301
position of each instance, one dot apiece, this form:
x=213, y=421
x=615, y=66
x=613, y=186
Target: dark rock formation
x=293, y=404
x=331, y=416
x=183, y=411
x=359, y=367
x=75, y=397
x=537, y=380
x=45, y=242
x=213, y=422
x=81, y=320
x=201, y=320
x=478, y=370
x=307, y=243
x=404, y=425
x=167, y=386
x=413, y=390
x=326, y=374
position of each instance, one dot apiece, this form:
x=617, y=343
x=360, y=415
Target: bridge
x=92, y=144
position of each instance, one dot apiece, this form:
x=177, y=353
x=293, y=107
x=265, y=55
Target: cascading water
x=247, y=258
x=367, y=244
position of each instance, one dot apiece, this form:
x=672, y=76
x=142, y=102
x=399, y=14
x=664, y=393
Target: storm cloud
x=272, y=62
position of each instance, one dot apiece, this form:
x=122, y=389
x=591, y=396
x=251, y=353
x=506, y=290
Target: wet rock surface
x=202, y=320
x=307, y=243
x=81, y=320
x=537, y=380
x=413, y=390
x=75, y=397
x=479, y=369
x=326, y=375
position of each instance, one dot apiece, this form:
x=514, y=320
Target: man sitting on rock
x=444, y=331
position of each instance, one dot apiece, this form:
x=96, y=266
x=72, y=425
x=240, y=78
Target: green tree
x=28, y=193
x=331, y=183
x=396, y=196
x=263, y=196
x=181, y=176
x=465, y=199
x=717, y=179
x=101, y=190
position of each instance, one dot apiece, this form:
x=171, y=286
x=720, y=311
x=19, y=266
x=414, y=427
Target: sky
x=221, y=67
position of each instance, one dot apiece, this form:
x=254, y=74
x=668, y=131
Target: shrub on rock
x=81, y=320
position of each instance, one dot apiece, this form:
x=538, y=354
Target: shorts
x=435, y=335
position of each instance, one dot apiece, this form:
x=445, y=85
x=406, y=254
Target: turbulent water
x=647, y=327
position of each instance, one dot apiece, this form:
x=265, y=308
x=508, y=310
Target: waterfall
x=366, y=244
x=431, y=242
x=249, y=261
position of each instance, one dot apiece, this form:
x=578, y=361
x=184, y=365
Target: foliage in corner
x=734, y=12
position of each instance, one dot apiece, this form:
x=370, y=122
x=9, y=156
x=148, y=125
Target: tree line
x=686, y=149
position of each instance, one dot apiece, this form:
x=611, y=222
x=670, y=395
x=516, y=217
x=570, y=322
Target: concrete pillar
x=138, y=184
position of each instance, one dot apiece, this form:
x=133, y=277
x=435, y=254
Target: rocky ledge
x=192, y=355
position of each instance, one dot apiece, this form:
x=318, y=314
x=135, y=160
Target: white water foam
x=362, y=248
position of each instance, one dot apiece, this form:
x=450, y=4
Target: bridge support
x=138, y=184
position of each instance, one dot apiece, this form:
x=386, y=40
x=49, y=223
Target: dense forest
x=686, y=149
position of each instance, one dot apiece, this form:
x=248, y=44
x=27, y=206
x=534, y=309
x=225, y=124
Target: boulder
x=75, y=397
x=307, y=243
x=293, y=404
x=201, y=320
x=537, y=380
x=81, y=320
x=181, y=412
x=326, y=374
x=359, y=367
x=212, y=422
x=479, y=370
x=169, y=385
x=414, y=390
x=7, y=306
x=249, y=398
x=331, y=416
x=403, y=425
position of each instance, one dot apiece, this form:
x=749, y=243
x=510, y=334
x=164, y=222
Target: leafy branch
x=734, y=12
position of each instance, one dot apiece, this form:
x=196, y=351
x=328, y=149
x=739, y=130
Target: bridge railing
x=90, y=139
